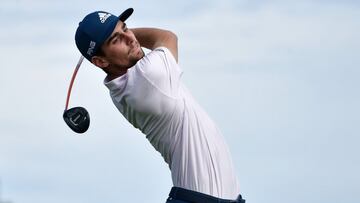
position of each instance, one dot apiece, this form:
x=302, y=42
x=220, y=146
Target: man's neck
x=115, y=72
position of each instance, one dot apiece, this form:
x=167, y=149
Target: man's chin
x=141, y=53
x=138, y=56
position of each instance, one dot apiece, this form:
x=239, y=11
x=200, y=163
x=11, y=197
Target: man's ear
x=99, y=62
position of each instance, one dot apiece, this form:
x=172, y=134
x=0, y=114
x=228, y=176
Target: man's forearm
x=152, y=38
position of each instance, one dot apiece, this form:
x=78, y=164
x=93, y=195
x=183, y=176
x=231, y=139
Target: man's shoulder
x=164, y=53
x=158, y=65
x=157, y=58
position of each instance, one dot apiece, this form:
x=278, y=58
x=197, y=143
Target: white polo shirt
x=153, y=99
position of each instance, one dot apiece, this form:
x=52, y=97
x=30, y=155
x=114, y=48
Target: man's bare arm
x=152, y=38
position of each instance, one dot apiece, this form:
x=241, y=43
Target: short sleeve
x=160, y=68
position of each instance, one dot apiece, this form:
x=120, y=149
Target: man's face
x=122, y=49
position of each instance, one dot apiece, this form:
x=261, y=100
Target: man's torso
x=153, y=99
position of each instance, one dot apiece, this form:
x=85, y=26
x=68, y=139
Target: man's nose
x=129, y=39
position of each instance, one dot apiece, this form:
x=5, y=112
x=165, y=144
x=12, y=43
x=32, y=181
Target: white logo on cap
x=103, y=17
x=91, y=48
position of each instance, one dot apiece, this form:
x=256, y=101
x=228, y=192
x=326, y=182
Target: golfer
x=148, y=92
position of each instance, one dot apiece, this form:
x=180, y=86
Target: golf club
x=76, y=118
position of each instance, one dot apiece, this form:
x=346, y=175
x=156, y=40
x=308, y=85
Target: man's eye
x=115, y=39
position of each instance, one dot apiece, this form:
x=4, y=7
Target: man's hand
x=152, y=38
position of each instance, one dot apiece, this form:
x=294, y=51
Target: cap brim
x=126, y=14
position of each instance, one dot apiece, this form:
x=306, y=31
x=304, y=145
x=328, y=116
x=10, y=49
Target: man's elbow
x=171, y=37
x=173, y=44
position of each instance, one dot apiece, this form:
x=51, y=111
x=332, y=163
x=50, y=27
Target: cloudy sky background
x=281, y=79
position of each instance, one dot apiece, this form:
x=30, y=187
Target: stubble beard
x=136, y=59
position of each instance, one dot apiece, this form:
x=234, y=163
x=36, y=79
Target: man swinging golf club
x=148, y=92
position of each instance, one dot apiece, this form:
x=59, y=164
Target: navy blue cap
x=95, y=28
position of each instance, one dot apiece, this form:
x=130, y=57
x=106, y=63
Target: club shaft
x=72, y=81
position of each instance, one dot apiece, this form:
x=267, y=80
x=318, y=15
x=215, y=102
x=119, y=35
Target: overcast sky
x=280, y=78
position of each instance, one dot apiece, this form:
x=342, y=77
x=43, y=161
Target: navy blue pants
x=181, y=195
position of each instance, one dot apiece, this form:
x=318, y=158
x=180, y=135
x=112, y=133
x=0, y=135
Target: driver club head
x=77, y=119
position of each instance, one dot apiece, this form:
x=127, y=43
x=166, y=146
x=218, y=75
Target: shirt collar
x=117, y=83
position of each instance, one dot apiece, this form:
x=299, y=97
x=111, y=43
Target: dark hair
x=99, y=52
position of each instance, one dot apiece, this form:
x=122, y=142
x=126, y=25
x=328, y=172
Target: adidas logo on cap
x=103, y=16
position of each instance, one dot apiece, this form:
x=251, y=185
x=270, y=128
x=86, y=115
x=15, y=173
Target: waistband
x=197, y=197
